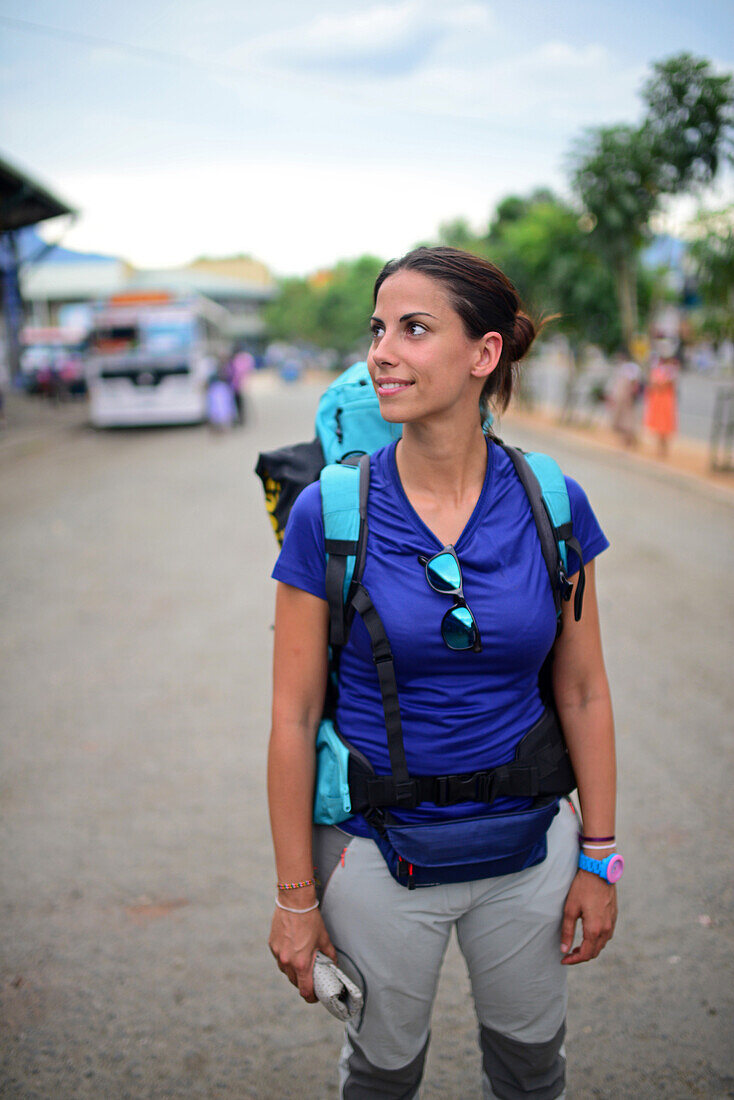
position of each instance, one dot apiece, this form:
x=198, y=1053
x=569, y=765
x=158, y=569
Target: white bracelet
x=287, y=909
x=598, y=847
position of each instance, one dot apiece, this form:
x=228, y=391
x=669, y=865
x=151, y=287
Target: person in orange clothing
x=661, y=401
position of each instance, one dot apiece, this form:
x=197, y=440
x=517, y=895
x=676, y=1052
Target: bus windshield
x=157, y=335
x=167, y=335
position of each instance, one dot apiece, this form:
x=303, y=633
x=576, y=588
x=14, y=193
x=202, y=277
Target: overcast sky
x=303, y=131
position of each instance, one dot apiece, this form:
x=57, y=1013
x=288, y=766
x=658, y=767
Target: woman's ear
x=489, y=353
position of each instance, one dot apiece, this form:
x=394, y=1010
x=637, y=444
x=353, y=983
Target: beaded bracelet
x=295, y=885
x=287, y=909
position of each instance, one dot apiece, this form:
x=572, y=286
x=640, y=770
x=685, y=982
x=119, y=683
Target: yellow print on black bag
x=272, y=496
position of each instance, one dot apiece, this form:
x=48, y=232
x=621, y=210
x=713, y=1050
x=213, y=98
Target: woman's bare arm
x=299, y=683
x=584, y=706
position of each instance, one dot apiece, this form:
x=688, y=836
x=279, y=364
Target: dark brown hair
x=486, y=301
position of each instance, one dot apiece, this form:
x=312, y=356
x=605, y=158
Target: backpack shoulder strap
x=558, y=505
x=545, y=486
x=344, y=490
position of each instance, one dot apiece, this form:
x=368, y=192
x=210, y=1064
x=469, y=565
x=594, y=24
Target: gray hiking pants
x=392, y=941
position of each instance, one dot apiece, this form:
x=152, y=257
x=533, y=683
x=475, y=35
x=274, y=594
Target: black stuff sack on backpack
x=284, y=474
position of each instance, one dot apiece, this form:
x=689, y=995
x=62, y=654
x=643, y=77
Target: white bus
x=150, y=358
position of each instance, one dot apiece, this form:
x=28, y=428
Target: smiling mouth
x=391, y=385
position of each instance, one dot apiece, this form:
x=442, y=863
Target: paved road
x=136, y=877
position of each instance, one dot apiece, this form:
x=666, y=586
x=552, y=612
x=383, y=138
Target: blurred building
x=64, y=278
x=23, y=203
x=242, y=298
x=65, y=281
x=243, y=268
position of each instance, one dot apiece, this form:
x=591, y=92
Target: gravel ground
x=135, y=862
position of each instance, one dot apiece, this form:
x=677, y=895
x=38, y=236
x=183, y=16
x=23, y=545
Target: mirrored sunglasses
x=459, y=628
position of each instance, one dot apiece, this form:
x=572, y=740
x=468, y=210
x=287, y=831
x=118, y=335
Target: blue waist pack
x=466, y=849
x=463, y=849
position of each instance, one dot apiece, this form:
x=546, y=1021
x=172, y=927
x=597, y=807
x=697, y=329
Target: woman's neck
x=442, y=470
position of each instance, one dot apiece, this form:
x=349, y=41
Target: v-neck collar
x=416, y=520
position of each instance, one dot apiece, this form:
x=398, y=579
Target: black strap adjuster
x=564, y=585
x=406, y=794
x=478, y=787
x=487, y=786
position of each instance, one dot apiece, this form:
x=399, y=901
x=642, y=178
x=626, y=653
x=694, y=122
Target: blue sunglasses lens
x=458, y=628
x=443, y=573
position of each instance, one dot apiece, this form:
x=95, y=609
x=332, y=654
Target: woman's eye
x=376, y=331
x=415, y=328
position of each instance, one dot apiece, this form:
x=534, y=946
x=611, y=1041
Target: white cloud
x=426, y=58
x=555, y=84
x=333, y=32
x=564, y=56
x=372, y=41
x=468, y=17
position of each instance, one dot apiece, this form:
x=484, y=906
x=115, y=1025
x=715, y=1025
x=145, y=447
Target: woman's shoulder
x=301, y=561
x=308, y=501
x=305, y=522
x=577, y=495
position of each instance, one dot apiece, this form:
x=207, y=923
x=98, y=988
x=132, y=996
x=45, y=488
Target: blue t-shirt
x=461, y=711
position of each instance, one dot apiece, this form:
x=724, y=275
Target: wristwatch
x=610, y=869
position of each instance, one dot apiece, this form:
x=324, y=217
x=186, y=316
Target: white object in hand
x=334, y=989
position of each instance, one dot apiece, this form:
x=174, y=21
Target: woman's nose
x=385, y=351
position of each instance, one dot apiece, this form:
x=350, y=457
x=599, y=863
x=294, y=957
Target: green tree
x=622, y=173
x=544, y=247
x=712, y=254
x=291, y=315
x=689, y=120
x=345, y=305
x=330, y=309
x=616, y=176
x=457, y=234
x=514, y=207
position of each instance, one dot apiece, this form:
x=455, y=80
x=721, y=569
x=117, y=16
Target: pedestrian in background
x=661, y=399
x=220, y=405
x=625, y=389
x=241, y=367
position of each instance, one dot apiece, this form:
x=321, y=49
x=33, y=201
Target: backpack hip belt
x=541, y=769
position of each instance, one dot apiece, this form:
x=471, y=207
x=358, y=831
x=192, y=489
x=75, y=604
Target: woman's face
x=421, y=361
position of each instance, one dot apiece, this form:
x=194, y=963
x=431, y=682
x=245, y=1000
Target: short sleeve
x=586, y=527
x=302, y=559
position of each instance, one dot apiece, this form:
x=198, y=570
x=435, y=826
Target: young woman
x=446, y=333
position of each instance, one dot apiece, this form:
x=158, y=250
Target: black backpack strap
x=364, y=490
x=578, y=600
x=385, y=665
x=336, y=567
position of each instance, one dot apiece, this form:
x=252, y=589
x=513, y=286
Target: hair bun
x=523, y=334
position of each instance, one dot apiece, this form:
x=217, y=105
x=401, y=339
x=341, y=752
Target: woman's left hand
x=595, y=902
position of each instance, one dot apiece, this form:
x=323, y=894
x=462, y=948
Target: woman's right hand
x=294, y=940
